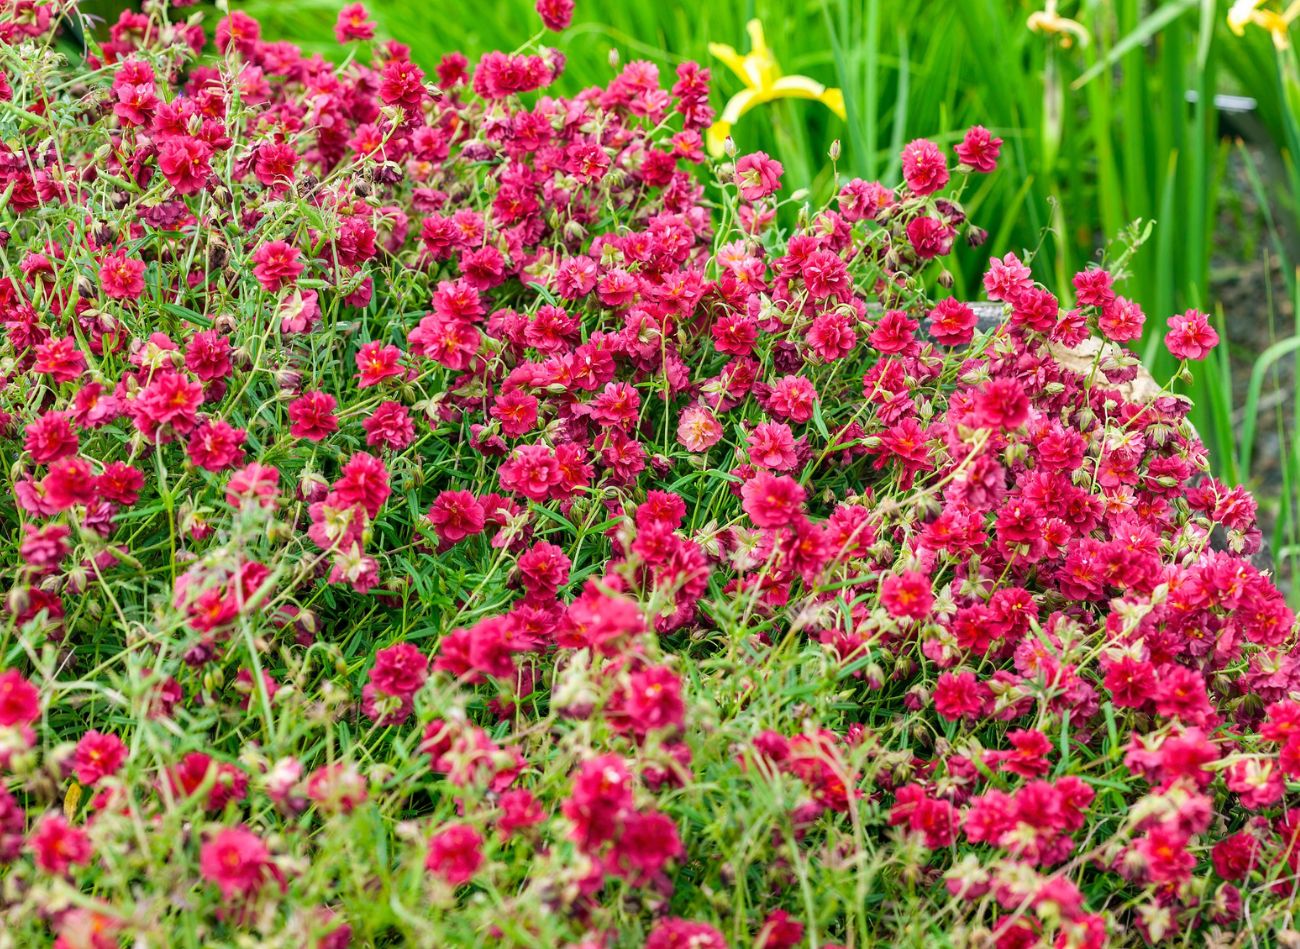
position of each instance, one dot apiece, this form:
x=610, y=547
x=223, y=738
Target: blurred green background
x=1108, y=109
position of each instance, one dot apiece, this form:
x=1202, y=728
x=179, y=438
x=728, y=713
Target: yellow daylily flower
x=1048, y=20
x=763, y=83
x=1245, y=12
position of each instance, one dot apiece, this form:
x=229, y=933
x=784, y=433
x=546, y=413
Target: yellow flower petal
x=1240, y=14
x=797, y=87
x=802, y=87
x=739, y=104
x=761, y=74
x=731, y=59
x=760, y=64
x=833, y=99
x=757, y=41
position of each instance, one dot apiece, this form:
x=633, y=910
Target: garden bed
x=450, y=513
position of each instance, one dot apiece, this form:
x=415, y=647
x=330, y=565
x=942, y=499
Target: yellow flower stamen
x=763, y=80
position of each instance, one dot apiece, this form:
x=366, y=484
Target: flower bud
x=18, y=599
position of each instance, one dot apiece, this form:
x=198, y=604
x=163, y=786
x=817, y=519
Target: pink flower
x=1164, y=850
x=70, y=482
x=120, y=483
x=237, y=861
x=353, y=23
x=455, y=854
x=1093, y=288
x=780, y=931
x=59, y=358
x=1121, y=320
x=312, y=416
x=401, y=83
x=929, y=237
x=832, y=336
x=298, y=311
x=771, y=445
x=1001, y=404
x=1235, y=856
x=376, y=362
x=773, y=501
x=543, y=568
x=519, y=810
x=531, y=471
x=1007, y=278
x=215, y=446
x=556, y=14
x=952, y=323
x=960, y=695
x=500, y=75
x=674, y=933
x=400, y=670
x=20, y=703
x=864, y=200
x=924, y=168
x=698, y=429
x=826, y=275
x=97, y=756
x=757, y=175
x=275, y=265
x=602, y=794
x=44, y=548
x=275, y=163
x=792, y=398
x=895, y=333
x=1191, y=336
x=907, y=595
x=239, y=30
x=337, y=788
x=121, y=277
x=363, y=482
x=184, y=162
x=447, y=340
x=647, y=843
x=654, y=700
x=516, y=410
x=1035, y=309
x=50, y=438
x=208, y=355
x=456, y=515
x=57, y=845
x=168, y=405
x=979, y=149
x=255, y=482
x=389, y=426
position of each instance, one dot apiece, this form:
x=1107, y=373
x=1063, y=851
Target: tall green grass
x=1098, y=136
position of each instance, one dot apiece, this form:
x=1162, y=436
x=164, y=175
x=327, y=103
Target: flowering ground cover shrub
x=444, y=513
